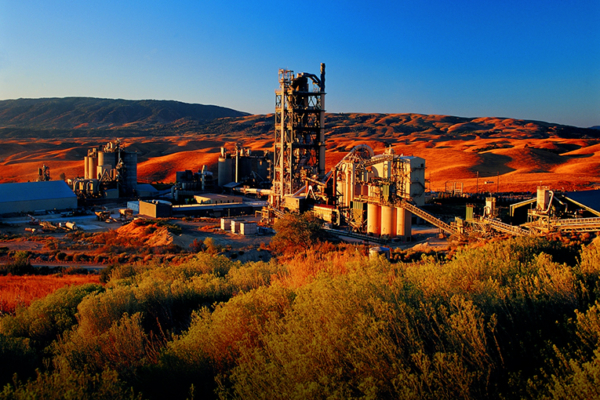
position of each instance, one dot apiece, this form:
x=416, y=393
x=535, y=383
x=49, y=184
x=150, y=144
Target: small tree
x=211, y=247
x=196, y=246
x=62, y=176
x=297, y=233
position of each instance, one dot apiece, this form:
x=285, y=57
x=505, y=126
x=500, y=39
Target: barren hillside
x=522, y=153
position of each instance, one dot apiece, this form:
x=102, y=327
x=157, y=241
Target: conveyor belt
x=502, y=227
x=428, y=217
x=577, y=225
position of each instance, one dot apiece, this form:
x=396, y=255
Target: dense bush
x=19, y=266
x=71, y=385
x=47, y=318
x=518, y=318
x=296, y=233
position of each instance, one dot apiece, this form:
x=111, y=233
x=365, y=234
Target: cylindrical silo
x=100, y=158
x=225, y=171
x=107, y=158
x=348, y=190
x=374, y=219
x=92, y=166
x=86, y=173
x=404, y=223
x=543, y=197
x=130, y=164
x=388, y=221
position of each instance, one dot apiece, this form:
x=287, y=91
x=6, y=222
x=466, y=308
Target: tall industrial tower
x=299, y=132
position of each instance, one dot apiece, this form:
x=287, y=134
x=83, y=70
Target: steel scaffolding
x=299, y=132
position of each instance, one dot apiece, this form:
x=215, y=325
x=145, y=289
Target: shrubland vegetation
x=517, y=318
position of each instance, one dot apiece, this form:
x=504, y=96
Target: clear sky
x=527, y=59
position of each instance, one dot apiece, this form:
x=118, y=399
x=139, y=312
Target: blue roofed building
x=34, y=196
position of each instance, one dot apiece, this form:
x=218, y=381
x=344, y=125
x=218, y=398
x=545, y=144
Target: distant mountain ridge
x=79, y=117
x=95, y=113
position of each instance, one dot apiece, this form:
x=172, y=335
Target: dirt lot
x=243, y=248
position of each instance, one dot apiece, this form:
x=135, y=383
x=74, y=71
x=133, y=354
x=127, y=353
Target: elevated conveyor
x=577, y=225
x=428, y=217
x=506, y=228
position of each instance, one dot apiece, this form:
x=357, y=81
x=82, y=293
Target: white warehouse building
x=33, y=196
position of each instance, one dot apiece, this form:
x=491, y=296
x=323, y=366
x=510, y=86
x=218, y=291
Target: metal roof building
x=32, y=196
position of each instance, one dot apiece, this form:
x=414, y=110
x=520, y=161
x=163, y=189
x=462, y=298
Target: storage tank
x=107, y=158
x=93, y=165
x=130, y=178
x=490, y=206
x=86, y=170
x=100, y=158
x=225, y=172
x=543, y=197
x=374, y=219
x=388, y=221
x=403, y=223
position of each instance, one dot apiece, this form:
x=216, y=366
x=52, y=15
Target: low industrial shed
x=33, y=196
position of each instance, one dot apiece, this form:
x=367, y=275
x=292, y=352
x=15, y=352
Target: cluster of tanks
x=109, y=171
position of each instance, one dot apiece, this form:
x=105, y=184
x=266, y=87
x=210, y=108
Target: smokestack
x=322, y=77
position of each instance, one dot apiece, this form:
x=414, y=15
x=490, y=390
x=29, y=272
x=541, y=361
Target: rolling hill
x=171, y=136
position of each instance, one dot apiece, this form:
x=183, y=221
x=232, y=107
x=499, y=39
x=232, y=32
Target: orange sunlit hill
x=472, y=151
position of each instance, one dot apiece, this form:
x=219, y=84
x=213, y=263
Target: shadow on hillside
x=492, y=164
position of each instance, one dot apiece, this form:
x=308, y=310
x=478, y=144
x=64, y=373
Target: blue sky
x=532, y=59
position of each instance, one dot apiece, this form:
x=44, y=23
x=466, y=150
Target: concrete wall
x=32, y=205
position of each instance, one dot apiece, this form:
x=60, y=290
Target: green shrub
x=253, y=275
x=19, y=266
x=70, y=385
x=47, y=318
x=123, y=347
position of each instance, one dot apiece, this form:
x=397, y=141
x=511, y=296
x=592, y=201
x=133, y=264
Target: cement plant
x=365, y=196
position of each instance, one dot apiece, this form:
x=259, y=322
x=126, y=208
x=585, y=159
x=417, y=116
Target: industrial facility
x=243, y=167
x=188, y=184
x=364, y=193
x=378, y=195
x=109, y=172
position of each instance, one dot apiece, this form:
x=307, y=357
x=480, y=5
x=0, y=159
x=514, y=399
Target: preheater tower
x=299, y=132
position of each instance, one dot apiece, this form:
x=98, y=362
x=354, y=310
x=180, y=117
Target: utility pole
x=477, y=183
x=497, y=182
